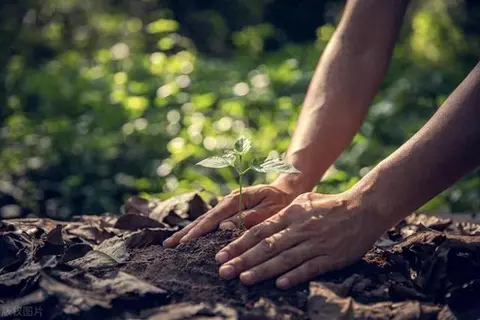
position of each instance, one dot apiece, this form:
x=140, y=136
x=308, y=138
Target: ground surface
x=99, y=267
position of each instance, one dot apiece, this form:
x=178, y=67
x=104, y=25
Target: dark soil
x=190, y=274
x=429, y=275
x=103, y=267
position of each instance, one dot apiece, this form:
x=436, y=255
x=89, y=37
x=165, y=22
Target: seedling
x=235, y=158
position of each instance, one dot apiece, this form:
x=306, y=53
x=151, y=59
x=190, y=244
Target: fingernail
x=227, y=271
x=228, y=225
x=221, y=257
x=184, y=239
x=247, y=277
x=166, y=242
x=283, y=283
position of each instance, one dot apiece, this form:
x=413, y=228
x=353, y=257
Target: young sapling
x=235, y=158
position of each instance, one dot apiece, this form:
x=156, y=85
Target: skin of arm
x=344, y=84
x=444, y=150
x=320, y=233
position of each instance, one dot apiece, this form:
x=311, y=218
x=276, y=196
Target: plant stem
x=240, y=198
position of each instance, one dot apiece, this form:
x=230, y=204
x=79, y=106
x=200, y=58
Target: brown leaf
x=99, y=297
x=266, y=308
x=325, y=304
x=118, y=246
x=176, y=210
x=14, y=249
x=13, y=284
x=55, y=236
x=28, y=223
x=463, y=300
x=90, y=233
x=137, y=206
x=36, y=305
x=53, y=245
x=147, y=237
x=103, y=221
x=136, y=222
x=93, y=259
x=114, y=247
x=183, y=311
x=75, y=251
x=429, y=221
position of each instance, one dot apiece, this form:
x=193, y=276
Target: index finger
x=249, y=239
x=225, y=209
x=174, y=239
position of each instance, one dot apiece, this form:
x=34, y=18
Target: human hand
x=259, y=202
x=316, y=233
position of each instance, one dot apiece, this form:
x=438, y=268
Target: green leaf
x=275, y=164
x=214, y=162
x=230, y=157
x=242, y=145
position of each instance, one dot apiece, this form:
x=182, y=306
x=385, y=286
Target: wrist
x=292, y=184
x=376, y=200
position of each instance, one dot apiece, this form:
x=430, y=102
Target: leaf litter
x=104, y=267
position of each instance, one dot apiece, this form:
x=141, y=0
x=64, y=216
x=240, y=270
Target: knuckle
x=180, y=233
x=309, y=226
x=194, y=223
x=312, y=195
x=307, y=196
x=249, y=220
x=256, y=232
x=288, y=212
x=185, y=230
x=230, y=197
x=267, y=225
x=205, y=220
x=288, y=258
x=268, y=245
x=230, y=248
x=302, y=197
x=199, y=226
x=264, y=270
x=238, y=262
x=242, y=262
x=312, y=268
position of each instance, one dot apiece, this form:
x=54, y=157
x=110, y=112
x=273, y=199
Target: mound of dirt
x=189, y=273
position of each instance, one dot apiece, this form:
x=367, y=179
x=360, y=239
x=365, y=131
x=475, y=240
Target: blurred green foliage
x=104, y=99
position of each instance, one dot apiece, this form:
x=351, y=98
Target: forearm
x=444, y=150
x=342, y=88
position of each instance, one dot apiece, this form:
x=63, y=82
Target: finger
x=226, y=208
x=235, y=221
x=252, y=196
x=249, y=239
x=174, y=239
x=279, y=264
x=251, y=217
x=227, y=225
x=306, y=271
x=263, y=251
